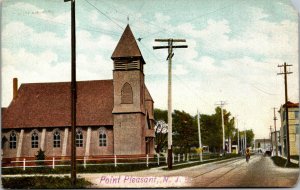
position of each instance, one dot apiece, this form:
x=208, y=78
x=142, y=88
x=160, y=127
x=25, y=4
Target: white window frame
x=34, y=139
x=102, y=137
x=13, y=142
x=79, y=138
x=56, y=138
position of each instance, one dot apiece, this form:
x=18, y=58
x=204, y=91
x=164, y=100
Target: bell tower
x=129, y=100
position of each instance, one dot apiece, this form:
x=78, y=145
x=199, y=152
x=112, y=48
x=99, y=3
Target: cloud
x=161, y=18
x=94, y=44
x=20, y=35
x=259, y=37
x=93, y=68
x=26, y=7
x=15, y=29
x=233, y=59
x=29, y=67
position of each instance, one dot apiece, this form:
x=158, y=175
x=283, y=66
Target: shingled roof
x=48, y=105
x=127, y=46
x=291, y=104
x=147, y=95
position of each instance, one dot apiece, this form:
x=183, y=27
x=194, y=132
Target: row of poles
x=170, y=48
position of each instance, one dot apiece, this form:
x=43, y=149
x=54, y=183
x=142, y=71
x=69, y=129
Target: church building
x=114, y=117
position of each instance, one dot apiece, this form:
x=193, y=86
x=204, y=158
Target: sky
x=234, y=49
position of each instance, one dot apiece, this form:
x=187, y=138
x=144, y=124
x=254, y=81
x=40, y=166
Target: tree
x=211, y=130
x=249, y=135
x=40, y=157
x=161, y=135
x=185, y=132
x=161, y=115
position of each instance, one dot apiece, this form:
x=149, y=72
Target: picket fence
x=116, y=161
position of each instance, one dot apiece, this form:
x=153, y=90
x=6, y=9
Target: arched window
x=102, y=137
x=79, y=138
x=13, y=140
x=56, y=138
x=126, y=94
x=34, y=140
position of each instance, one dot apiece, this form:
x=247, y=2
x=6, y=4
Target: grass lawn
x=279, y=161
x=80, y=169
x=185, y=165
x=104, y=168
x=295, y=157
x=42, y=182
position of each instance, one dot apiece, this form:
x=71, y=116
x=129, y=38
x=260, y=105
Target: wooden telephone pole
x=199, y=133
x=276, y=143
x=222, y=103
x=238, y=134
x=170, y=47
x=285, y=73
x=73, y=94
x=271, y=148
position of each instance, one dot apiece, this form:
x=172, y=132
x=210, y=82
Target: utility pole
x=222, y=103
x=285, y=73
x=242, y=143
x=276, y=144
x=238, y=135
x=73, y=94
x=245, y=137
x=199, y=132
x=245, y=140
x=271, y=139
x=170, y=47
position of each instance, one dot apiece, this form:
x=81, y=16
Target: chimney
x=15, y=88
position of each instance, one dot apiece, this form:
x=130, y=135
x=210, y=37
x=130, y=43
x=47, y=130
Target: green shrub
x=281, y=162
x=190, y=164
x=295, y=157
x=40, y=156
x=80, y=169
x=102, y=168
x=41, y=182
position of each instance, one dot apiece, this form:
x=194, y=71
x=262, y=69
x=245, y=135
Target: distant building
x=262, y=145
x=114, y=117
x=293, y=109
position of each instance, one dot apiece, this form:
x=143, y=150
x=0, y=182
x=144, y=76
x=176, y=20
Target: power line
x=186, y=85
x=105, y=15
x=263, y=90
x=217, y=10
x=80, y=27
x=169, y=32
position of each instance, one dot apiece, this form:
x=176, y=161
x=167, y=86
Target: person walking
x=247, y=155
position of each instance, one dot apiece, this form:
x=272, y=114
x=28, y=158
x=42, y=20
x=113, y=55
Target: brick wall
x=7, y=152
x=129, y=134
x=95, y=149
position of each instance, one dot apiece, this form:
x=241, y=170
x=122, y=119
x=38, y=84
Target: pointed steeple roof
x=127, y=46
